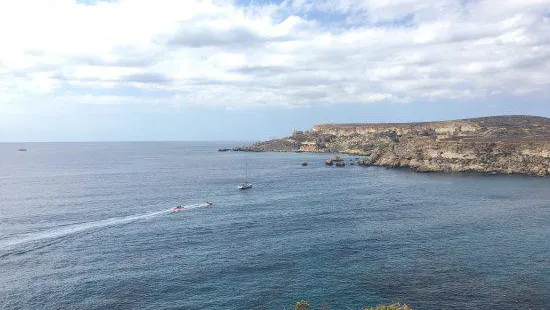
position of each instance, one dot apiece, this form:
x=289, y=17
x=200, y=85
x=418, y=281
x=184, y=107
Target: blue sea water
x=87, y=226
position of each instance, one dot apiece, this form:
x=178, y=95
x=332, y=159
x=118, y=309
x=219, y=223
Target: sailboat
x=245, y=185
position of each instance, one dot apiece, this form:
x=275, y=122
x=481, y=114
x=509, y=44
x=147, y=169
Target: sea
x=89, y=226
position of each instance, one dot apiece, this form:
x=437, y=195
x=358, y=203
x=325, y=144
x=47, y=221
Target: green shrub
x=302, y=305
x=396, y=306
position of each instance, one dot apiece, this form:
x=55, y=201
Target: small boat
x=209, y=203
x=177, y=208
x=22, y=150
x=244, y=186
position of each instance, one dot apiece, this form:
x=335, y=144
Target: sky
x=179, y=70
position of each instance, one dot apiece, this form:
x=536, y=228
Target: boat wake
x=198, y=205
x=22, y=243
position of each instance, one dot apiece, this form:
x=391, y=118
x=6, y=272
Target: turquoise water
x=87, y=226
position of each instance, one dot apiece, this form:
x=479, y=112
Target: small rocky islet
x=515, y=144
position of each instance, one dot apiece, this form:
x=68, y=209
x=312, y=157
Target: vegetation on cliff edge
x=305, y=305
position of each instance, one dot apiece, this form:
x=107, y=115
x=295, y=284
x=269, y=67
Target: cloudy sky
x=247, y=70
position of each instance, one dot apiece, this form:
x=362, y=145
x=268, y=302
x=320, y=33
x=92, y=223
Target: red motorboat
x=177, y=208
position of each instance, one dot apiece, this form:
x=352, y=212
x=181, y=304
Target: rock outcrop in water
x=497, y=144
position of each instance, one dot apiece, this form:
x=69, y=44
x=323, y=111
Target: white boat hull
x=244, y=186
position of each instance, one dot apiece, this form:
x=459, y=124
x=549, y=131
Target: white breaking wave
x=65, y=230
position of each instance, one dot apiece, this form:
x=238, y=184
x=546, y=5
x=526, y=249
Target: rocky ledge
x=496, y=144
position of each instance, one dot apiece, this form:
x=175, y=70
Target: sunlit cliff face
x=455, y=127
x=514, y=144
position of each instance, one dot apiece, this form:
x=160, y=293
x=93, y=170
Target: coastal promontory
x=497, y=144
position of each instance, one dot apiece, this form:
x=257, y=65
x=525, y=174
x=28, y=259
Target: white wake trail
x=66, y=230
x=12, y=243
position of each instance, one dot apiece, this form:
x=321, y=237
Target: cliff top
x=509, y=128
x=488, y=121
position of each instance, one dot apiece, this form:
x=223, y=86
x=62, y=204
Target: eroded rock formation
x=499, y=144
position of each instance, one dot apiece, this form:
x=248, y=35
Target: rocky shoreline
x=496, y=144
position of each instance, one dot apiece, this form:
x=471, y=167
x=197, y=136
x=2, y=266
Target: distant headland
x=496, y=144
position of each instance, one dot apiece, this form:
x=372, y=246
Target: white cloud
x=294, y=53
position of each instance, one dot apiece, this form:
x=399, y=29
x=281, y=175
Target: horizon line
x=125, y=141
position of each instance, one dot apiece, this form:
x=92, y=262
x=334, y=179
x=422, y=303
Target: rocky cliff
x=497, y=144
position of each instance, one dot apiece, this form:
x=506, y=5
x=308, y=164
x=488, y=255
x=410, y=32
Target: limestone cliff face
x=500, y=144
